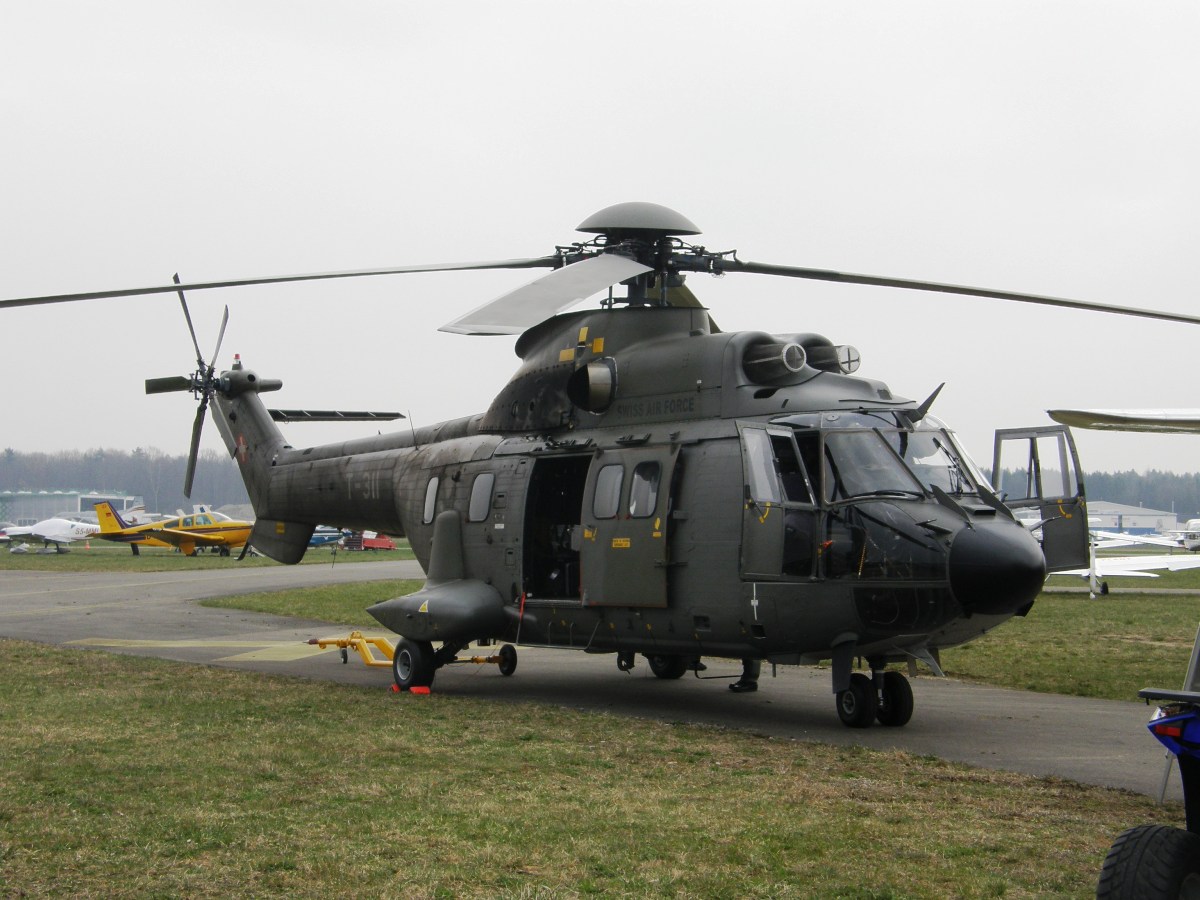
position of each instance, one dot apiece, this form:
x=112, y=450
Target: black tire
x=508, y=659
x=858, y=704
x=1149, y=862
x=413, y=664
x=664, y=665
x=896, y=702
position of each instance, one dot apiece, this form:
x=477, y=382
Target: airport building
x=31, y=507
x=1106, y=516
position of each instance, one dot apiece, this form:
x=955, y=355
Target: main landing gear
x=885, y=696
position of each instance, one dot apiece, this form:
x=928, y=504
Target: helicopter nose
x=996, y=570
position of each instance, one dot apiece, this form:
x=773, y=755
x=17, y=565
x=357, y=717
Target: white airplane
x=56, y=531
x=1157, y=421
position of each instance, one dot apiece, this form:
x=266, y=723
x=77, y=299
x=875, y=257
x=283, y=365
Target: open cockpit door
x=1036, y=473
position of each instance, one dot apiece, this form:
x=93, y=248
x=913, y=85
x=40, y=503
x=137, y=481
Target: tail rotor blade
x=194, y=452
x=220, y=337
x=187, y=315
x=168, y=384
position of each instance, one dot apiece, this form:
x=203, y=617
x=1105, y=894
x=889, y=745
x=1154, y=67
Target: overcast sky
x=1047, y=147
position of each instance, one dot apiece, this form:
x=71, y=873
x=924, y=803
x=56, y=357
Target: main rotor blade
x=543, y=297
x=737, y=265
x=541, y=262
x=1159, y=421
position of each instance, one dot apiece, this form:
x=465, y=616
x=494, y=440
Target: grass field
x=136, y=777
x=106, y=556
x=129, y=777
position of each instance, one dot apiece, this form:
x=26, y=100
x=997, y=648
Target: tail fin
x=110, y=519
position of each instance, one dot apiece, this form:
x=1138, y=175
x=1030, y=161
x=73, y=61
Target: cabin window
x=481, y=497
x=608, y=491
x=643, y=490
x=203, y=520
x=430, y=500
x=760, y=466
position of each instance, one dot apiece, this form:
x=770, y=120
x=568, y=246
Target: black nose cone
x=996, y=569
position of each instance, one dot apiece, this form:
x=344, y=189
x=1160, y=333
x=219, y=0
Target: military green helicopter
x=646, y=484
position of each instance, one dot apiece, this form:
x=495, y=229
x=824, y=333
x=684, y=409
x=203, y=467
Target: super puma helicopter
x=646, y=484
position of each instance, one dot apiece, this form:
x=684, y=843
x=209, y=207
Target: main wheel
x=508, y=659
x=896, y=704
x=858, y=704
x=413, y=664
x=1149, y=862
x=666, y=665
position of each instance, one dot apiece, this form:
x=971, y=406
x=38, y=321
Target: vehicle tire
x=1149, y=862
x=665, y=665
x=508, y=659
x=413, y=664
x=896, y=704
x=858, y=704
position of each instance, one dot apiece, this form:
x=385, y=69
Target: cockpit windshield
x=860, y=464
x=934, y=459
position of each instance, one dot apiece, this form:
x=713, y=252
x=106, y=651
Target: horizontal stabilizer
x=332, y=415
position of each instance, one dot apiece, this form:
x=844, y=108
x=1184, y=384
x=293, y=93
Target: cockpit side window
x=791, y=472
x=760, y=467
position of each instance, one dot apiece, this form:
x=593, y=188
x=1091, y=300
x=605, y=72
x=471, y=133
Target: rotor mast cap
x=646, y=220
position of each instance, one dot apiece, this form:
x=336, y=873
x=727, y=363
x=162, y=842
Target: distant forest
x=158, y=478
x=148, y=473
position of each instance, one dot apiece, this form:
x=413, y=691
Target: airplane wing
x=1163, y=421
x=174, y=537
x=1137, y=566
x=1115, y=539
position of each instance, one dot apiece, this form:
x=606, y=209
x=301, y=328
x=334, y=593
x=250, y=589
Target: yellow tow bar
x=364, y=646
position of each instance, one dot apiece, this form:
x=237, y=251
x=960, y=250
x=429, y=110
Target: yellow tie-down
x=365, y=646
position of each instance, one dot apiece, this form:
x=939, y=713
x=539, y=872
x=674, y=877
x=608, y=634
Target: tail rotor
x=201, y=383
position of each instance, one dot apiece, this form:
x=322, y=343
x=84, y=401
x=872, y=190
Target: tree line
x=158, y=478
x=150, y=473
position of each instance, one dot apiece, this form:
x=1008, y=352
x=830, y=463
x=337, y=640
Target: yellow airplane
x=189, y=533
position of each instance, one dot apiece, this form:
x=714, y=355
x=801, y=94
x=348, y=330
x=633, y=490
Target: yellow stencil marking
x=598, y=345
x=621, y=543
x=279, y=527
x=566, y=355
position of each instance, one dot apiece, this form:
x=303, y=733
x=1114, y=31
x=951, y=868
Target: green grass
x=342, y=604
x=106, y=556
x=130, y=777
x=1109, y=647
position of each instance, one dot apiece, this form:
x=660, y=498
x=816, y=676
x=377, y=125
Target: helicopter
x=648, y=485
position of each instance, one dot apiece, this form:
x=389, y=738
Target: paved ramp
x=1091, y=741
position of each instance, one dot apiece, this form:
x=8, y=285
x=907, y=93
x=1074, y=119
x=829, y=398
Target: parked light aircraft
x=57, y=531
x=648, y=484
x=187, y=533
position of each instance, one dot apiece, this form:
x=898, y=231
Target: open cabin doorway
x=553, y=508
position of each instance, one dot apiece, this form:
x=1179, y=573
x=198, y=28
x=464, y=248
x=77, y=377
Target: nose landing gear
x=885, y=696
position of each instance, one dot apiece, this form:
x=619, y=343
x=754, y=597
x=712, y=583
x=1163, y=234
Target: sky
x=1044, y=147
